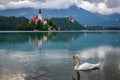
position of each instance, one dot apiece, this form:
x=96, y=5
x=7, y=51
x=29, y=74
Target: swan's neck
x=78, y=62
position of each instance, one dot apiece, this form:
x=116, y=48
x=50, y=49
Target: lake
x=48, y=55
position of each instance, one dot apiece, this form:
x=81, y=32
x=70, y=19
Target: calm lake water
x=48, y=56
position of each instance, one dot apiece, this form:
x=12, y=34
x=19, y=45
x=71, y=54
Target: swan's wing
x=86, y=66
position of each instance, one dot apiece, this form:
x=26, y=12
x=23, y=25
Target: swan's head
x=75, y=56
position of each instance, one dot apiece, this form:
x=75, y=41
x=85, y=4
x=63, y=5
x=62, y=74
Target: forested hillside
x=10, y=23
x=67, y=24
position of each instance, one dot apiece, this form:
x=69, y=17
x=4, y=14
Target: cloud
x=96, y=6
x=112, y=3
x=99, y=52
x=54, y=4
x=104, y=7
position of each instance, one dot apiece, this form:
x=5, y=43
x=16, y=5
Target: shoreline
x=87, y=31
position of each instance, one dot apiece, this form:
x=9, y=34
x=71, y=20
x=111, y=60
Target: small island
x=38, y=24
x=13, y=23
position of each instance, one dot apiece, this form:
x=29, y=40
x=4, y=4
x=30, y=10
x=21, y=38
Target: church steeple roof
x=40, y=11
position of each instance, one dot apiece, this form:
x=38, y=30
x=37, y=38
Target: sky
x=104, y=7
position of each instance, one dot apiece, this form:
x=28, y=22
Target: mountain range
x=82, y=16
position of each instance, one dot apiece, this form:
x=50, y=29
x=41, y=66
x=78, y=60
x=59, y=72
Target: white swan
x=84, y=66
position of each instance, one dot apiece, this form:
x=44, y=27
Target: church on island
x=39, y=18
x=38, y=24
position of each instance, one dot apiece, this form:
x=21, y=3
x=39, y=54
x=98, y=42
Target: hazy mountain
x=82, y=16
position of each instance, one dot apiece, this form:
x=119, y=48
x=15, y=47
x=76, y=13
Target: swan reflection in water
x=78, y=75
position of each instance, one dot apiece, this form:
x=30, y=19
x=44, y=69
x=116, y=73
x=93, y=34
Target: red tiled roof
x=35, y=19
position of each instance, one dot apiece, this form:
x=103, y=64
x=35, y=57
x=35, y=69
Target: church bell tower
x=40, y=14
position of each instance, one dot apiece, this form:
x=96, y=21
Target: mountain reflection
x=51, y=36
x=32, y=41
x=64, y=37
